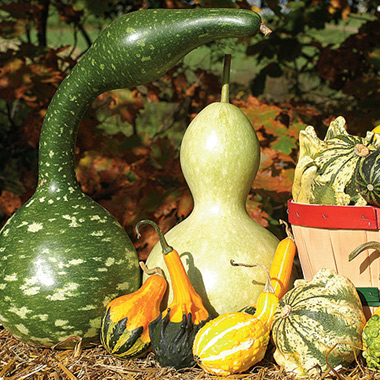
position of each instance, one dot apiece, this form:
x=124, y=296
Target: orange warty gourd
x=234, y=342
x=124, y=330
x=172, y=332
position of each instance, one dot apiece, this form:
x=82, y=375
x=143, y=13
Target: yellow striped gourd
x=234, y=342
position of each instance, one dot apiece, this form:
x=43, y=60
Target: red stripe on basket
x=339, y=217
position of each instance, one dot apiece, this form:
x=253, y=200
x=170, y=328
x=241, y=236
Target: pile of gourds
x=340, y=170
x=68, y=269
x=314, y=326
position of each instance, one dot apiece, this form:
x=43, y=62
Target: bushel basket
x=326, y=235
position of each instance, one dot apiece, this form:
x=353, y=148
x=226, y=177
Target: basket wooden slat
x=325, y=236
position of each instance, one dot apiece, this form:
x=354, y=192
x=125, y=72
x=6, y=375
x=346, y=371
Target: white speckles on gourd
x=87, y=307
x=22, y=329
x=102, y=269
x=29, y=281
x=92, y=332
x=41, y=317
x=35, y=227
x=31, y=291
x=97, y=233
x=11, y=277
x=131, y=265
x=123, y=286
x=73, y=220
x=110, y=261
x=76, y=262
x=2, y=286
x=60, y=322
x=94, y=327
x=60, y=294
x=21, y=312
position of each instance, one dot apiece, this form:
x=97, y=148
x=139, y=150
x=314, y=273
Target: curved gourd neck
x=219, y=206
x=135, y=49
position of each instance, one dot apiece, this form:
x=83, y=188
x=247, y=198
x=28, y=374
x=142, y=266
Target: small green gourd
x=63, y=256
x=220, y=156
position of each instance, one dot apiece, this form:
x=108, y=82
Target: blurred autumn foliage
x=127, y=150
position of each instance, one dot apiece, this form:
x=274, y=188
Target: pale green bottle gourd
x=62, y=256
x=220, y=156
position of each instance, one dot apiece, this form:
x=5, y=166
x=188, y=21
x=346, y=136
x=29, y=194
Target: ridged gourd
x=325, y=172
x=220, y=156
x=318, y=324
x=63, y=256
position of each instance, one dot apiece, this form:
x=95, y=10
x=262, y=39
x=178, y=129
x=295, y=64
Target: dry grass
x=21, y=361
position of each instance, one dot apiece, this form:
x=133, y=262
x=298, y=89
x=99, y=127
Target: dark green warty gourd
x=367, y=178
x=63, y=256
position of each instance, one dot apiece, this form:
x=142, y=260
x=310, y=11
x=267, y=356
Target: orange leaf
x=9, y=202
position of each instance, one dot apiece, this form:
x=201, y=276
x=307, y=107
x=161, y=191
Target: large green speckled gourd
x=220, y=156
x=64, y=257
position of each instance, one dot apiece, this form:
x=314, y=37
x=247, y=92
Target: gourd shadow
x=366, y=263
x=196, y=277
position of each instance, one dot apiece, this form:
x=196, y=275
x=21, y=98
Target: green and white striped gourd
x=315, y=317
x=325, y=172
x=220, y=156
x=367, y=178
x=63, y=256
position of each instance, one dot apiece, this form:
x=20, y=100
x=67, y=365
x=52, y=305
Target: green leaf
x=284, y=144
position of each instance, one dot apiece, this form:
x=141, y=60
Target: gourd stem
x=149, y=272
x=265, y=30
x=225, y=98
x=166, y=248
x=287, y=229
x=363, y=247
x=268, y=286
x=361, y=150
